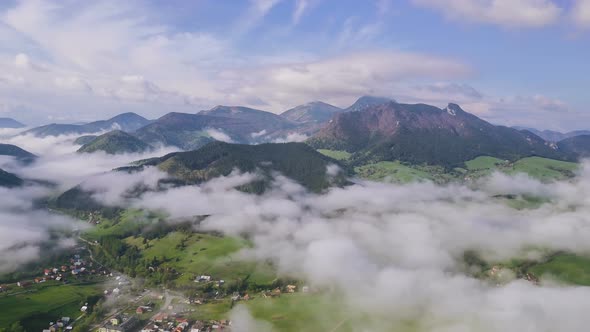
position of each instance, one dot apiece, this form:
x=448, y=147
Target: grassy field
x=484, y=163
x=303, y=312
x=196, y=254
x=568, y=268
x=129, y=221
x=392, y=171
x=335, y=154
x=544, y=169
x=44, y=303
x=540, y=168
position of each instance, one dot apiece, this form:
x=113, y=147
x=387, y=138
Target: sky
x=510, y=62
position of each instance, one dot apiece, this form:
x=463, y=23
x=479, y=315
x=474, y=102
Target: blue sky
x=511, y=62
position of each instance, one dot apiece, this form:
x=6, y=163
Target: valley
x=277, y=236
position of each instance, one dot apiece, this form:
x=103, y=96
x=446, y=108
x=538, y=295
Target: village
x=168, y=311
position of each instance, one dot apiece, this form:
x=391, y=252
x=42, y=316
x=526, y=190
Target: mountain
x=128, y=122
x=14, y=151
x=115, y=142
x=259, y=120
x=315, y=112
x=192, y=131
x=10, y=123
x=578, y=145
x=554, y=136
x=311, y=117
x=367, y=101
x=297, y=161
x=85, y=139
x=420, y=133
x=9, y=180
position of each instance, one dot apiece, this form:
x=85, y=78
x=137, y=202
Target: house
x=84, y=308
x=205, y=278
x=160, y=318
x=47, y=272
x=139, y=310
x=24, y=284
x=291, y=288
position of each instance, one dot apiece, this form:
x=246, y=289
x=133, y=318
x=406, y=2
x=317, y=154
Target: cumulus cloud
x=219, y=135
x=59, y=163
x=581, y=13
x=291, y=137
x=242, y=321
x=524, y=13
x=25, y=229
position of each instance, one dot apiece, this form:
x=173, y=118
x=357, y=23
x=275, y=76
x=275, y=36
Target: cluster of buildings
x=62, y=324
x=172, y=323
x=75, y=267
x=122, y=323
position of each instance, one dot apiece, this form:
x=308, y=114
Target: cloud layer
x=394, y=252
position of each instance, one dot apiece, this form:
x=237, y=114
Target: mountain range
x=126, y=122
x=10, y=123
x=554, y=136
x=372, y=129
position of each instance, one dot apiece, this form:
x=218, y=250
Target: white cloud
x=291, y=137
x=340, y=80
x=509, y=13
x=300, y=7
x=219, y=135
x=581, y=13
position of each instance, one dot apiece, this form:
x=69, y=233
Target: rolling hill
x=294, y=160
x=115, y=142
x=9, y=180
x=424, y=134
x=10, y=123
x=16, y=152
x=126, y=122
x=578, y=145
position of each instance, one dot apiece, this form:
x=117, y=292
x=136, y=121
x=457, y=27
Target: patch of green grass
x=392, y=171
x=568, y=268
x=41, y=304
x=484, y=163
x=335, y=154
x=195, y=254
x=544, y=169
x=301, y=312
x=129, y=221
